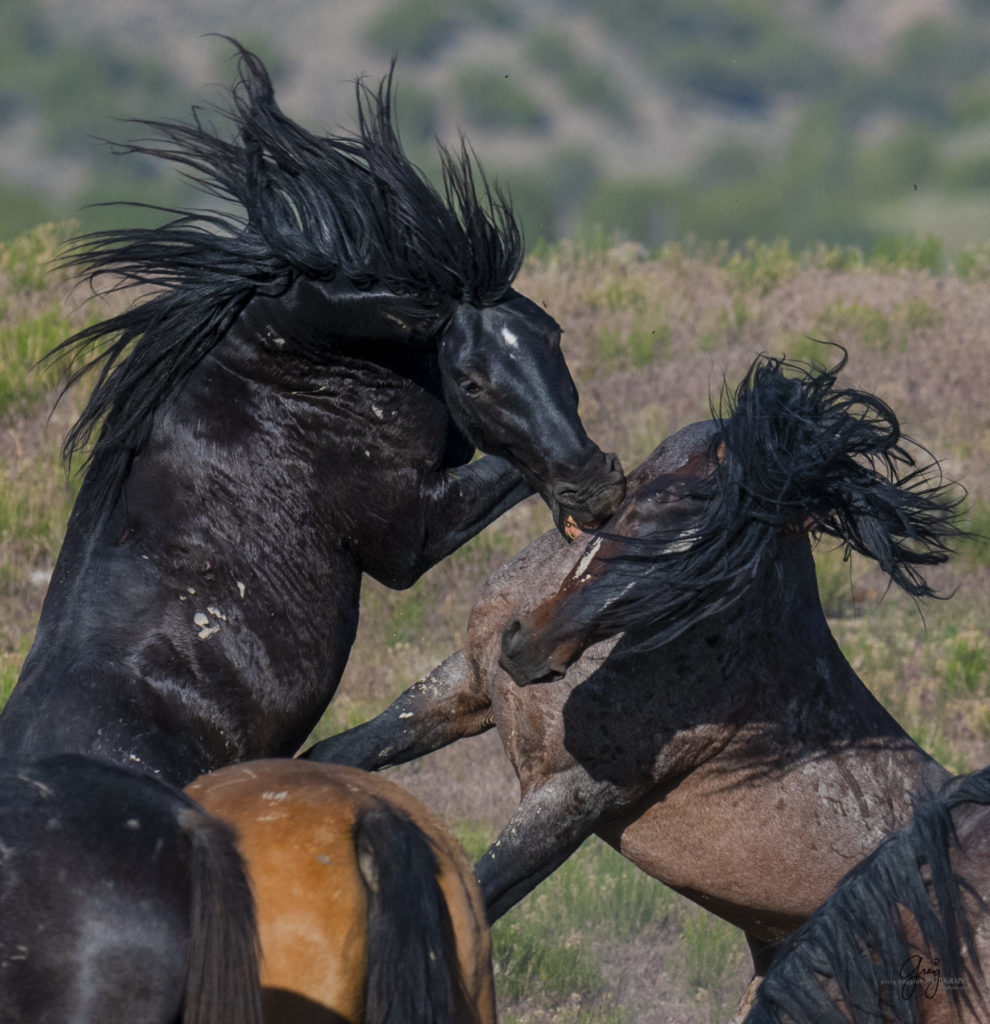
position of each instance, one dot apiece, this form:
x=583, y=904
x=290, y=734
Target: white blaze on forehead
x=512, y=340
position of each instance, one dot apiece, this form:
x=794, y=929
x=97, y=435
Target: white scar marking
x=240, y=588
x=205, y=629
x=589, y=556
x=684, y=542
x=512, y=340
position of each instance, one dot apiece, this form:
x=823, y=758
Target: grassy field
x=649, y=337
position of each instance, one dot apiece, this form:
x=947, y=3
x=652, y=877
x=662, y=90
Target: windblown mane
x=791, y=451
x=854, y=948
x=295, y=205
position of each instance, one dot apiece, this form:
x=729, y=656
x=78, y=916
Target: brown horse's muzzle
x=528, y=661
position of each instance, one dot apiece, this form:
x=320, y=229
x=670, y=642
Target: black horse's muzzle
x=591, y=498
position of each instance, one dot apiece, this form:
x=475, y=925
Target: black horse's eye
x=471, y=387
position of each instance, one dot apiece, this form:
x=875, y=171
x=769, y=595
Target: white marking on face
x=588, y=557
x=240, y=588
x=510, y=339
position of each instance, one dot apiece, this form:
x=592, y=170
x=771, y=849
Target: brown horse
x=368, y=910
x=903, y=936
x=720, y=741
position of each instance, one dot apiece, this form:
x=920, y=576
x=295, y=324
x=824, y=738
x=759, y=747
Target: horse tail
x=222, y=981
x=853, y=958
x=413, y=976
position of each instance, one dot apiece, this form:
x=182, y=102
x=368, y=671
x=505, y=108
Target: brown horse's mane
x=789, y=451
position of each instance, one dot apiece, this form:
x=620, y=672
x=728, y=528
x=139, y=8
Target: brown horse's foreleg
x=442, y=707
x=547, y=827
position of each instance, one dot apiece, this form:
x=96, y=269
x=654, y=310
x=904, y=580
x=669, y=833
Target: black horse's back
x=121, y=900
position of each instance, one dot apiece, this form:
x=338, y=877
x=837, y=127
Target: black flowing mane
x=303, y=205
x=858, y=939
x=792, y=452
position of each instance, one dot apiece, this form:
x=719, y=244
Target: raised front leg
x=443, y=706
x=549, y=824
x=452, y=506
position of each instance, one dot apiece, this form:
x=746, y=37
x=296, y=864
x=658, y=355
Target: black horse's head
x=795, y=456
x=345, y=247
x=509, y=389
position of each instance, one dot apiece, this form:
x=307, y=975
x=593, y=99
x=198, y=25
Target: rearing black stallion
x=296, y=403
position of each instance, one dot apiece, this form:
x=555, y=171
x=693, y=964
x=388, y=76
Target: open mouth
x=571, y=529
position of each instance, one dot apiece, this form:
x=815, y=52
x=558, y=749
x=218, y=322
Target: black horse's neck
x=318, y=337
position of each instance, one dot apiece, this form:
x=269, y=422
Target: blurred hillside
x=841, y=121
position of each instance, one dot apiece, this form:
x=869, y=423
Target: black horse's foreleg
x=442, y=707
x=546, y=828
x=459, y=503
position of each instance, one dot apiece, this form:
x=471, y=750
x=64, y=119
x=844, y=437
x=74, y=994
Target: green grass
x=679, y=321
x=543, y=944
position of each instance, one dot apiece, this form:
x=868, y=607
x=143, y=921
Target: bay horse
x=294, y=403
x=694, y=709
x=906, y=933
x=121, y=900
x=368, y=909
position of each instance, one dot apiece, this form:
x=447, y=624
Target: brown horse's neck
x=799, y=681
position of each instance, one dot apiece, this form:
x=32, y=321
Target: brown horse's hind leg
x=444, y=706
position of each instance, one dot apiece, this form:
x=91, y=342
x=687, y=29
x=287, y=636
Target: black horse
x=906, y=935
x=297, y=403
x=121, y=900
x=694, y=709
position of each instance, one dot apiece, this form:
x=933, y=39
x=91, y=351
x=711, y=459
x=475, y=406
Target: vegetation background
x=700, y=181
x=842, y=121
x=649, y=336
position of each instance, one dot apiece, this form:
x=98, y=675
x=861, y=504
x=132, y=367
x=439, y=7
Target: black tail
x=413, y=972
x=852, y=960
x=222, y=984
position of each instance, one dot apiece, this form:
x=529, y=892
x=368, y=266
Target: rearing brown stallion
x=694, y=709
